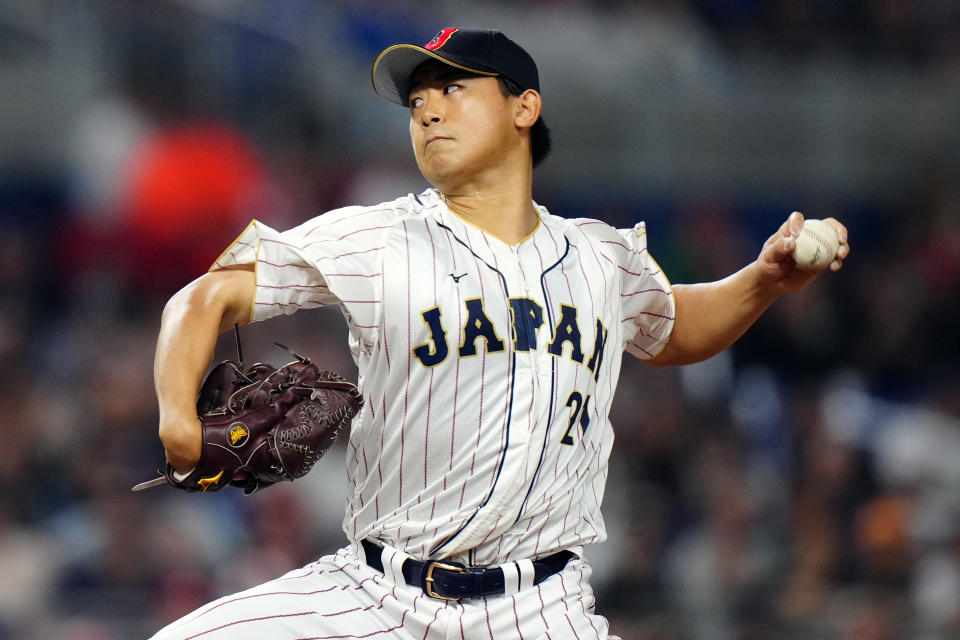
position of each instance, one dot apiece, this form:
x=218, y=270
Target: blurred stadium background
x=805, y=484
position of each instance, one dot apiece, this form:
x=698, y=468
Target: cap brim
x=394, y=66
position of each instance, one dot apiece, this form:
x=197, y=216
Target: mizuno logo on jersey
x=527, y=317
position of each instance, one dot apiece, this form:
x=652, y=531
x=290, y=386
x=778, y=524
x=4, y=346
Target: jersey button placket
x=520, y=446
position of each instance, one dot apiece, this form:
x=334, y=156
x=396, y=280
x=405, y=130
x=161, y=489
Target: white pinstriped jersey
x=488, y=370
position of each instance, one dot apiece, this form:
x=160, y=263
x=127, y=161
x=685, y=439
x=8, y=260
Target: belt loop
x=527, y=573
x=511, y=578
x=392, y=560
x=396, y=566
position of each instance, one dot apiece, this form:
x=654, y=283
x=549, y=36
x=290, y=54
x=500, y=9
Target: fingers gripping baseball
x=802, y=248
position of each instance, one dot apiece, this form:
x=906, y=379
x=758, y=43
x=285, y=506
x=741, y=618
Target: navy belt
x=453, y=581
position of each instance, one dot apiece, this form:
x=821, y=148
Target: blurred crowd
x=804, y=484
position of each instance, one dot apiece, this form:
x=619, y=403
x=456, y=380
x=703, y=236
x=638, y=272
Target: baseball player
x=488, y=335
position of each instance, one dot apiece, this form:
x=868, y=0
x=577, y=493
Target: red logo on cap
x=441, y=38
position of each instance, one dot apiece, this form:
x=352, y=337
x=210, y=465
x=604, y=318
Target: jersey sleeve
x=331, y=259
x=648, y=306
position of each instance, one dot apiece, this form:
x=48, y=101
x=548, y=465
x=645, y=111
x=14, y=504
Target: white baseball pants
x=340, y=597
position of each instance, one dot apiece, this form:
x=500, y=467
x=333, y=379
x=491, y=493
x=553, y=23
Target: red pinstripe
x=354, y=636
x=247, y=620
x=276, y=304
x=426, y=436
x=456, y=386
x=293, y=286
x=647, y=353
x=346, y=235
x=383, y=325
x=282, y=243
x=543, y=606
x=486, y=611
x=352, y=275
x=583, y=608
x=516, y=616
x=586, y=281
x=593, y=487
x=473, y=459
x=353, y=610
x=344, y=214
x=625, y=247
x=263, y=595
x=605, y=410
x=349, y=253
x=648, y=313
x=628, y=295
x=456, y=379
x=283, y=266
x=648, y=270
x=366, y=470
x=483, y=388
x=406, y=386
x=572, y=628
x=376, y=502
x=433, y=513
x=624, y=269
x=536, y=546
x=496, y=524
x=426, y=632
x=565, y=469
x=606, y=288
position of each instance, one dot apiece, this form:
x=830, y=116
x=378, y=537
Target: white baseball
x=817, y=245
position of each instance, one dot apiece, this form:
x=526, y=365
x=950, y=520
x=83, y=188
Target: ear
x=529, y=104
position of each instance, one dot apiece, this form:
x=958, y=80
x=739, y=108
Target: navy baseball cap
x=485, y=52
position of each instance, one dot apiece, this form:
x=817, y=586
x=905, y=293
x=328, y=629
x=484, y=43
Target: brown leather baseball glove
x=264, y=425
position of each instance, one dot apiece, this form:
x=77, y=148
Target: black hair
x=540, y=140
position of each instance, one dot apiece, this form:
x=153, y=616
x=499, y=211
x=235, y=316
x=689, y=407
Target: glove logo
x=206, y=483
x=441, y=38
x=238, y=434
x=268, y=430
